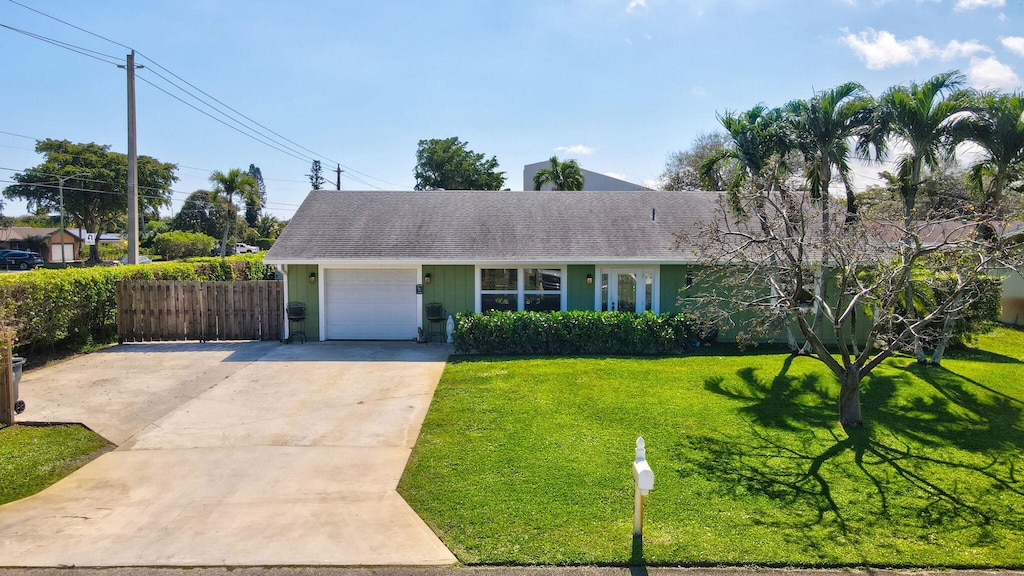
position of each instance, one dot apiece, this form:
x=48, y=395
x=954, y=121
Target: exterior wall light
x=590, y=279
x=426, y=278
x=312, y=277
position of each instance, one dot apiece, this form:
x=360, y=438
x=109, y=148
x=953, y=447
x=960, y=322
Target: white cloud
x=634, y=4
x=577, y=149
x=1014, y=44
x=972, y=4
x=956, y=49
x=699, y=91
x=989, y=73
x=615, y=175
x=881, y=50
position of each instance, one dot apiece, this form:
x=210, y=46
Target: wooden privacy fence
x=153, y=310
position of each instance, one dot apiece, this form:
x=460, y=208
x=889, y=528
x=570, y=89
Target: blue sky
x=616, y=84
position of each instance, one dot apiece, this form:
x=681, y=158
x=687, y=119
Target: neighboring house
x=366, y=263
x=49, y=242
x=591, y=180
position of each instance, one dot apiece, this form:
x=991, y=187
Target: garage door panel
x=371, y=304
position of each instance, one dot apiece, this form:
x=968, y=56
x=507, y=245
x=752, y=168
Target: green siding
x=300, y=290
x=673, y=280
x=452, y=286
x=581, y=294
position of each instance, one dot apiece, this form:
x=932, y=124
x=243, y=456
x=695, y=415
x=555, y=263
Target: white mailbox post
x=643, y=483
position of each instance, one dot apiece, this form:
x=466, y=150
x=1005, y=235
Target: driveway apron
x=240, y=455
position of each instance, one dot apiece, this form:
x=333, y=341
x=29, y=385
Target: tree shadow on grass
x=943, y=462
x=784, y=402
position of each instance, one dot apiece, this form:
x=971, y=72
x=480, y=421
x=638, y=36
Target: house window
x=499, y=289
x=542, y=289
x=532, y=289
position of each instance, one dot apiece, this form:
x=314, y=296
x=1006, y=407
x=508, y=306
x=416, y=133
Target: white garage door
x=371, y=304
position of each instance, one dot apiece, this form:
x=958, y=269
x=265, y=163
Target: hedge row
x=579, y=332
x=68, y=308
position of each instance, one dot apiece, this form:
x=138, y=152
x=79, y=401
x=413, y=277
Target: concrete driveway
x=232, y=454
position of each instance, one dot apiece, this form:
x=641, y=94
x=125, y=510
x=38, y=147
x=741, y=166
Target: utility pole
x=339, y=171
x=133, y=168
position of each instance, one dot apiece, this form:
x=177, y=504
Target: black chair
x=296, y=316
x=437, y=318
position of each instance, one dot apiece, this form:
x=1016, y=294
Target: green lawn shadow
x=957, y=446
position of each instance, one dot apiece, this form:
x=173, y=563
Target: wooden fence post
x=7, y=398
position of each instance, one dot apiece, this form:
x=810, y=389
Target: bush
x=264, y=243
x=579, y=332
x=177, y=244
x=72, y=307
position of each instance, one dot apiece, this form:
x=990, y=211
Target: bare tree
x=761, y=261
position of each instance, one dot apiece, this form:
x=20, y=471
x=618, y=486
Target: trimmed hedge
x=69, y=308
x=579, y=333
x=178, y=244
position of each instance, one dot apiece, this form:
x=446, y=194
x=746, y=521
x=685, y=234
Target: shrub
x=177, y=244
x=264, y=243
x=68, y=308
x=579, y=332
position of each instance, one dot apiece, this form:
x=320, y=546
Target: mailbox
x=643, y=483
x=643, y=476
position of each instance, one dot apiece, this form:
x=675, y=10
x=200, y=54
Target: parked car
x=243, y=248
x=20, y=259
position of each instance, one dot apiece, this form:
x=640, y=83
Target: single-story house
x=365, y=264
x=49, y=242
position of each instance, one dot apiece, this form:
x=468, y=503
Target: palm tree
x=268, y=226
x=822, y=129
x=925, y=119
x=759, y=143
x=757, y=151
x=561, y=175
x=998, y=128
x=225, y=186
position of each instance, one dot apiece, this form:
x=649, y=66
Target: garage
x=371, y=304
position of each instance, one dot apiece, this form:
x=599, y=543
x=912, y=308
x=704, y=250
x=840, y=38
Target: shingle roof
x=468, y=226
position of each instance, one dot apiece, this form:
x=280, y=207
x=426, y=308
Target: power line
x=277, y=144
x=70, y=24
x=172, y=191
x=71, y=47
x=221, y=121
x=278, y=205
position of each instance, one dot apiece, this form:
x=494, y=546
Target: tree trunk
x=849, y=399
x=947, y=331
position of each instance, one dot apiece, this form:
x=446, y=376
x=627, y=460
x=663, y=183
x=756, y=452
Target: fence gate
x=154, y=310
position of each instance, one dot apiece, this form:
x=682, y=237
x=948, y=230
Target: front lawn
x=527, y=461
x=34, y=457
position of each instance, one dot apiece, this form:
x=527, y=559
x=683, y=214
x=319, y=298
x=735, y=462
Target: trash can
x=19, y=405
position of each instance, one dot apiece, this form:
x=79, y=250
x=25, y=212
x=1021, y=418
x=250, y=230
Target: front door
x=627, y=290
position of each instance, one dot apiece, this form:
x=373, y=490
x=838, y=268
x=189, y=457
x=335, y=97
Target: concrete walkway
x=238, y=454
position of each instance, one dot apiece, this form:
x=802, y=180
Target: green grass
x=32, y=458
x=527, y=461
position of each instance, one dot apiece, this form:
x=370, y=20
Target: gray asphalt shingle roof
x=467, y=226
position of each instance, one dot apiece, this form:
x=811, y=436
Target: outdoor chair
x=436, y=318
x=296, y=317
